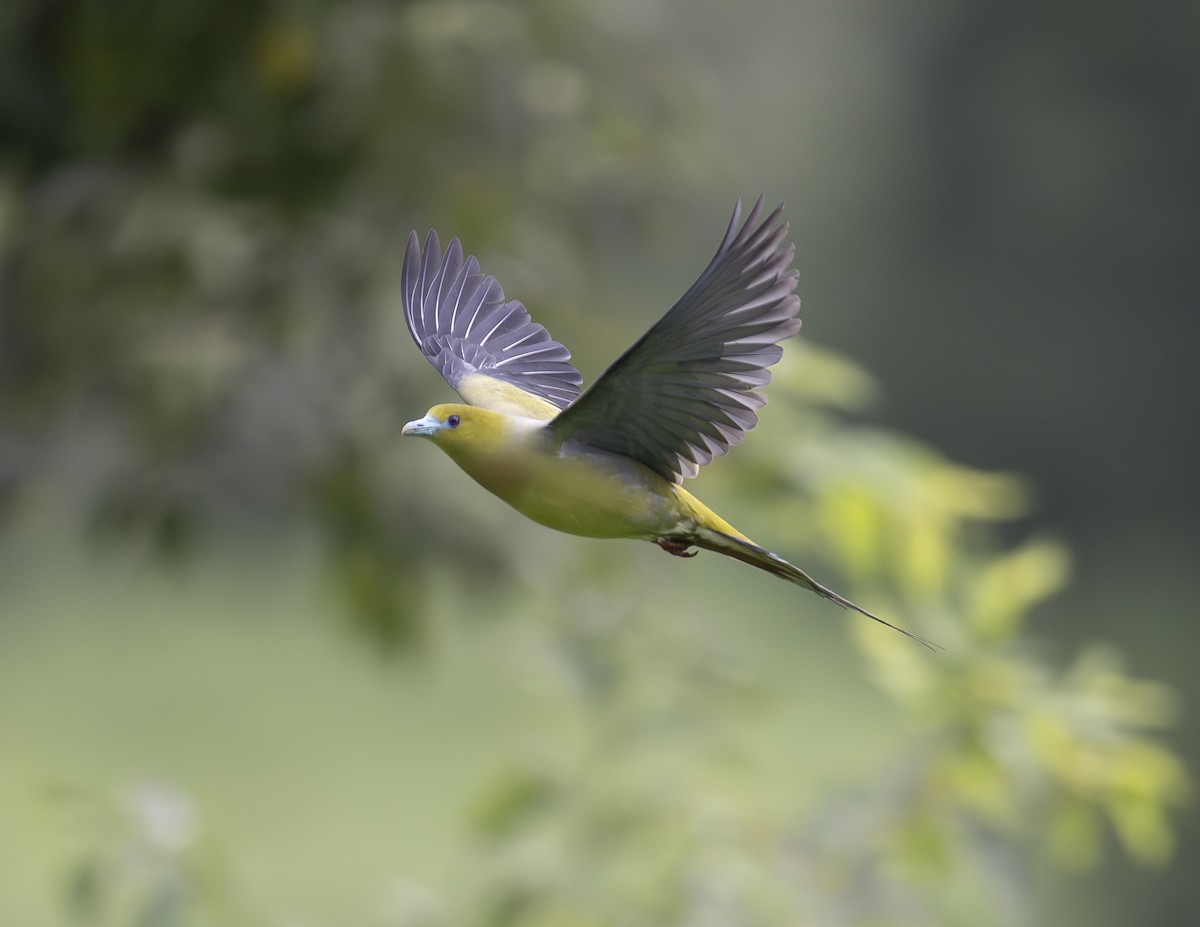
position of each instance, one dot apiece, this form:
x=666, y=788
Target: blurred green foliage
x=202, y=209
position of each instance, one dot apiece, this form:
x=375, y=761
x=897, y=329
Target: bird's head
x=464, y=431
x=445, y=424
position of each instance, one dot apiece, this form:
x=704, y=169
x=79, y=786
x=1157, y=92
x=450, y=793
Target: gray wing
x=684, y=393
x=483, y=345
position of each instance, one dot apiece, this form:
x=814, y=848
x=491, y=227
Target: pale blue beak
x=423, y=426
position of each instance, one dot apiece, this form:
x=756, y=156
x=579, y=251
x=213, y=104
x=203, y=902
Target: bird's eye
x=453, y=421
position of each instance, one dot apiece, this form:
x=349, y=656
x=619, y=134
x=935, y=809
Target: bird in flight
x=609, y=461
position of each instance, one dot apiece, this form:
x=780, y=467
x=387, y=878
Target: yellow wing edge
x=489, y=393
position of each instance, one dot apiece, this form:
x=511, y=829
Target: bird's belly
x=596, y=495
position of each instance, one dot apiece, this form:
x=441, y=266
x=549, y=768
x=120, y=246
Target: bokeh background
x=261, y=662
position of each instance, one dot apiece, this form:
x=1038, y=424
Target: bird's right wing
x=488, y=349
x=685, y=392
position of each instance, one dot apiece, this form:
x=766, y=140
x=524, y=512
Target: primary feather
x=488, y=348
x=684, y=393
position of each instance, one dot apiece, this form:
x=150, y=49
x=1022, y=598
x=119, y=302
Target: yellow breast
x=578, y=490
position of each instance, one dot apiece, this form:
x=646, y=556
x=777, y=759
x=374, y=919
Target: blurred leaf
x=510, y=800
x=1074, y=834
x=976, y=780
x=1142, y=826
x=852, y=520
x=907, y=673
x=1012, y=583
x=812, y=376
x=383, y=600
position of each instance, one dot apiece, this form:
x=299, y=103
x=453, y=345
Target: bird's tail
x=745, y=550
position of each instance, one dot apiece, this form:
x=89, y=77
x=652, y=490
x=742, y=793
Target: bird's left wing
x=487, y=348
x=685, y=392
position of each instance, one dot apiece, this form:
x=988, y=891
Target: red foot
x=676, y=548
